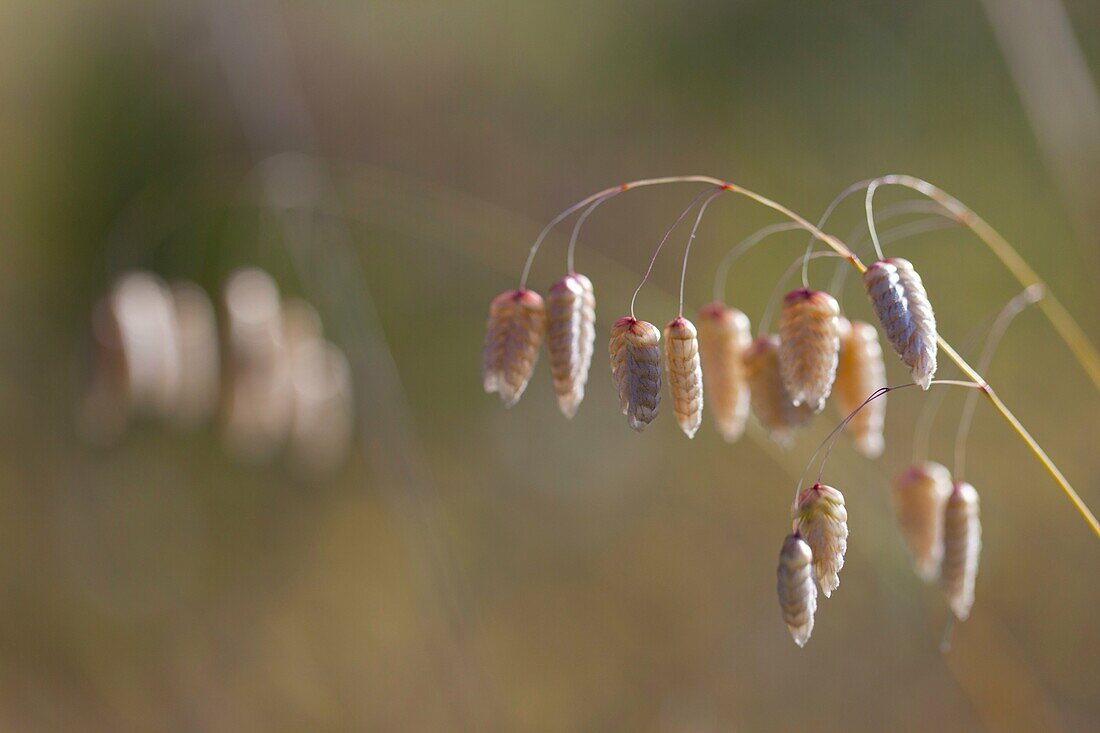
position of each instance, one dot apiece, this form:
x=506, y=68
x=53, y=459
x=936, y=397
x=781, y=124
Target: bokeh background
x=473, y=568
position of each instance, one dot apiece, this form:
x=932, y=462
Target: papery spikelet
x=685, y=376
x=962, y=544
x=570, y=338
x=517, y=320
x=901, y=304
x=920, y=498
x=860, y=372
x=636, y=369
x=771, y=403
x=820, y=518
x=724, y=337
x=795, y=585
x=809, y=345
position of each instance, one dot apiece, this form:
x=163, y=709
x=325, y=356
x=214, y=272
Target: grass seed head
x=771, y=402
x=517, y=320
x=809, y=345
x=724, y=336
x=962, y=545
x=796, y=589
x=901, y=304
x=820, y=518
x=920, y=499
x=636, y=369
x=860, y=372
x=570, y=338
x=685, y=376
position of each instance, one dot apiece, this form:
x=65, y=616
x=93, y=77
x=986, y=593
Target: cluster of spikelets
x=271, y=378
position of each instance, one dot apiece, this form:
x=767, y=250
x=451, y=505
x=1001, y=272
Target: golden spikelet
x=685, y=377
x=795, y=585
x=860, y=372
x=517, y=320
x=570, y=338
x=819, y=517
x=770, y=402
x=724, y=337
x=809, y=345
x=920, y=499
x=962, y=544
x=901, y=304
x=636, y=368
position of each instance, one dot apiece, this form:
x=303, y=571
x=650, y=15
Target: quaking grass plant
x=789, y=376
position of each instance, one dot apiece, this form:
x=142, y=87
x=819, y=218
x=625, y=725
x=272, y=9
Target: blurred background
x=471, y=568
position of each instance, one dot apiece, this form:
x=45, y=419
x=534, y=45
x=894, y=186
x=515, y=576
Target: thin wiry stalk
x=721, y=276
x=577, y=230
x=769, y=311
x=687, y=249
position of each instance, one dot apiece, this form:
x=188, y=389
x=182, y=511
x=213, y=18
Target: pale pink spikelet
x=570, y=338
x=809, y=345
x=636, y=369
x=962, y=545
x=685, y=376
x=771, y=403
x=796, y=589
x=517, y=321
x=902, y=306
x=821, y=519
x=920, y=499
x=860, y=372
x=724, y=336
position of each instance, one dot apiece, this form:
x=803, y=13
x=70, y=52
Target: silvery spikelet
x=962, y=545
x=771, y=403
x=809, y=345
x=860, y=372
x=901, y=304
x=636, y=369
x=570, y=338
x=724, y=336
x=685, y=376
x=796, y=589
x=820, y=518
x=920, y=499
x=517, y=321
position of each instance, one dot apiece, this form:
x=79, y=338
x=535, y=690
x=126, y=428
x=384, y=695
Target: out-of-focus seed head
x=796, y=589
x=570, y=338
x=809, y=344
x=902, y=306
x=962, y=546
x=636, y=369
x=724, y=336
x=920, y=498
x=820, y=517
x=771, y=403
x=860, y=372
x=685, y=376
x=517, y=321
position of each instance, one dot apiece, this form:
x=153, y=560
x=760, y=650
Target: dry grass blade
x=570, y=338
x=796, y=589
x=902, y=306
x=517, y=320
x=771, y=403
x=809, y=346
x=860, y=372
x=724, y=336
x=685, y=376
x=820, y=517
x=962, y=545
x=636, y=369
x=920, y=499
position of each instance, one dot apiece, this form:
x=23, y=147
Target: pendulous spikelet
x=860, y=372
x=809, y=344
x=685, y=377
x=724, y=337
x=901, y=304
x=962, y=544
x=819, y=517
x=795, y=585
x=570, y=338
x=517, y=320
x=636, y=369
x=920, y=498
x=771, y=403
